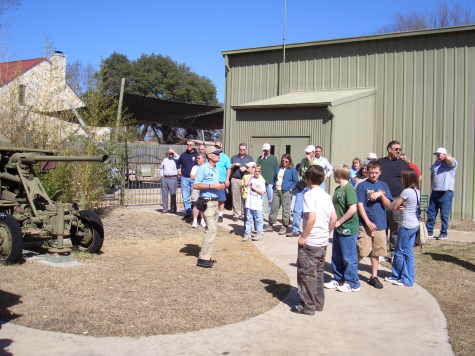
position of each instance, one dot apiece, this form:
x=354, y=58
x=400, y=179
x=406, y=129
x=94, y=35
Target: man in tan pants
x=207, y=182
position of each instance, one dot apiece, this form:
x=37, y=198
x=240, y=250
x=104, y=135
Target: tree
x=443, y=15
x=160, y=77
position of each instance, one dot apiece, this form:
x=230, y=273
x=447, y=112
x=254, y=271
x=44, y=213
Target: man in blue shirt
x=224, y=170
x=442, y=182
x=186, y=161
x=207, y=182
x=374, y=198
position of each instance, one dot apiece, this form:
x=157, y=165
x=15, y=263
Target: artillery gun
x=28, y=214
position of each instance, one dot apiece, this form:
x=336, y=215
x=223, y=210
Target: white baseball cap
x=441, y=150
x=310, y=148
x=372, y=155
x=266, y=147
x=250, y=164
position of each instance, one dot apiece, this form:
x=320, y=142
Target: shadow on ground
x=7, y=300
x=191, y=250
x=284, y=292
x=448, y=258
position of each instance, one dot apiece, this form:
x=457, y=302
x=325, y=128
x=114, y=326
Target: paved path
x=392, y=321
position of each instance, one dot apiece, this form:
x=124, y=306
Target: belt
x=171, y=176
x=210, y=199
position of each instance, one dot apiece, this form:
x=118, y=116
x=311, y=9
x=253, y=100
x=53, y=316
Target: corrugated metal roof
x=353, y=39
x=308, y=99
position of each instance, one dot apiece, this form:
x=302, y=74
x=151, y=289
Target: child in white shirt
x=254, y=204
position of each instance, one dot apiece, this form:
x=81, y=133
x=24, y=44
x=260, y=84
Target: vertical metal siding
x=425, y=91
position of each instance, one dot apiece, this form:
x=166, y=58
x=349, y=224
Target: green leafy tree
x=160, y=77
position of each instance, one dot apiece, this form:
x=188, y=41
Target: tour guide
x=207, y=182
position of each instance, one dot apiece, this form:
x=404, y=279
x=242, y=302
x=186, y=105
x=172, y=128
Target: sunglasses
x=397, y=149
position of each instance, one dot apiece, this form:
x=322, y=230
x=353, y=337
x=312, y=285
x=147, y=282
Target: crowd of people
x=374, y=211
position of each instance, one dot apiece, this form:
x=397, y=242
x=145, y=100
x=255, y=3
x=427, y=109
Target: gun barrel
x=45, y=158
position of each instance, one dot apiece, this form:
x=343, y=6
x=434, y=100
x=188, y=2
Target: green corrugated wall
x=425, y=94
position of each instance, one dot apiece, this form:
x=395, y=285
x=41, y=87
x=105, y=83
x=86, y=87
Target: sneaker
x=246, y=238
x=293, y=234
x=220, y=219
x=203, y=223
x=375, y=282
x=394, y=281
x=205, y=263
x=442, y=237
x=300, y=309
x=346, y=288
x=332, y=284
x=258, y=237
x=430, y=237
x=195, y=224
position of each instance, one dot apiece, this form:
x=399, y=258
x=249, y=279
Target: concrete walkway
x=392, y=321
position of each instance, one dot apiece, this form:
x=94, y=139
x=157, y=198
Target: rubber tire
x=17, y=240
x=93, y=221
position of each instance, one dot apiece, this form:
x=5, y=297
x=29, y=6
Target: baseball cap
x=310, y=148
x=250, y=164
x=212, y=150
x=372, y=155
x=218, y=144
x=266, y=147
x=441, y=150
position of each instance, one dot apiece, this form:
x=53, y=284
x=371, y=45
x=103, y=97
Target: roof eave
x=352, y=39
x=281, y=106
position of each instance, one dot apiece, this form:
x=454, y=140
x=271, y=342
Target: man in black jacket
x=392, y=167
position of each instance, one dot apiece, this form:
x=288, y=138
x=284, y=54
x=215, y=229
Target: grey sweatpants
x=168, y=186
x=310, y=269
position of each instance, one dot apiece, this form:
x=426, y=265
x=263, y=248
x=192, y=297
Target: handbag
x=422, y=235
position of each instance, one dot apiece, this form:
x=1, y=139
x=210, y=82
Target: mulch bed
x=144, y=283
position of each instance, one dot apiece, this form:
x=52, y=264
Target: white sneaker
x=345, y=288
x=393, y=281
x=203, y=223
x=331, y=285
x=258, y=237
x=246, y=238
x=430, y=237
x=195, y=224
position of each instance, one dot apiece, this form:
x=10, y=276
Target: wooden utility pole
x=119, y=110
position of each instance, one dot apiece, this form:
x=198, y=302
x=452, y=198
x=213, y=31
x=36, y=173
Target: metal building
x=353, y=95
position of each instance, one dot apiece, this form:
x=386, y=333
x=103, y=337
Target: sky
x=190, y=32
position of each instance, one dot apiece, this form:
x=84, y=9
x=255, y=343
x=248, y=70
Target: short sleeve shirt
x=207, y=175
x=317, y=201
x=409, y=219
x=343, y=198
x=223, y=165
x=375, y=210
x=237, y=173
x=254, y=201
x=443, y=176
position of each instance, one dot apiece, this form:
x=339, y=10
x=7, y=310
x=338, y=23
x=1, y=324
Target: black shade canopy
x=148, y=110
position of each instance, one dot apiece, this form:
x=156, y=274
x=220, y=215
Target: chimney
x=58, y=68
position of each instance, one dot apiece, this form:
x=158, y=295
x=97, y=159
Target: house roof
x=354, y=39
x=11, y=70
x=320, y=98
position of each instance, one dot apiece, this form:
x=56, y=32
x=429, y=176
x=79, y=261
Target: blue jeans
x=254, y=217
x=439, y=200
x=186, y=188
x=298, y=209
x=403, y=261
x=269, y=194
x=345, y=259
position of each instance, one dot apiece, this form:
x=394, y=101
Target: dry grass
x=145, y=283
x=447, y=270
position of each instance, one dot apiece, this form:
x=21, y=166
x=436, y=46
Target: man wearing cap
x=224, y=170
x=324, y=163
x=207, y=181
x=168, y=181
x=238, y=163
x=269, y=164
x=391, y=171
x=300, y=190
x=372, y=156
x=185, y=163
x=442, y=180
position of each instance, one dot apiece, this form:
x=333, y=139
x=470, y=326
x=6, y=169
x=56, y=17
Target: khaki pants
x=284, y=200
x=211, y=219
x=237, y=198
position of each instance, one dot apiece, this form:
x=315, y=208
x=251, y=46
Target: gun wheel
x=11, y=241
x=91, y=240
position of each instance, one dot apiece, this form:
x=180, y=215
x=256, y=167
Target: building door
x=294, y=146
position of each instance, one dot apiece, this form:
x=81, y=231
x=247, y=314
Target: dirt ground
x=144, y=283
x=447, y=270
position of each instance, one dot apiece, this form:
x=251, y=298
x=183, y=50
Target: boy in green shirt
x=344, y=250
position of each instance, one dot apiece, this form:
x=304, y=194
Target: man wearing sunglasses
x=391, y=170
